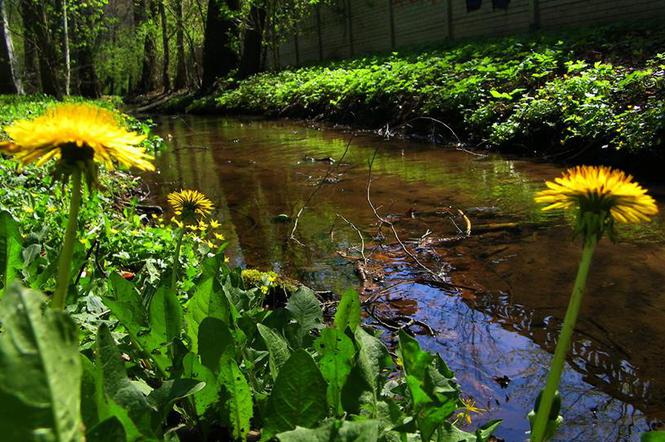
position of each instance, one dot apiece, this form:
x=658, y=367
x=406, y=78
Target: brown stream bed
x=500, y=293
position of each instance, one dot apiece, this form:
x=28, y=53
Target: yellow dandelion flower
x=214, y=224
x=76, y=132
x=210, y=244
x=190, y=204
x=468, y=408
x=601, y=194
x=220, y=237
x=226, y=260
x=265, y=289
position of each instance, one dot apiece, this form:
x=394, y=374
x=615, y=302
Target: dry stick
x=292, y=237
x=362, y=239
x=390, y=224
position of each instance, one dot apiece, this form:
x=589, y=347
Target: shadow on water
x=498, y=319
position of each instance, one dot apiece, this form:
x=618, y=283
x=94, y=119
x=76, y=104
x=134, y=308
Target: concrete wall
x=355, y=27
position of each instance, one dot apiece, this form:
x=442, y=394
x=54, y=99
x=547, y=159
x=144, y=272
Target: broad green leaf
x=278, y=349
x=92, y=398
x=215, y=340
x=433, y=394
x=10, y=250
x=414, y=359
x=348, y=311
x=119, y=390
x=373, y=357
x=337, y=352
x=40, y=370
x=306, y=310
x=126, y=305
x=111, y=430
x=653, y=436
x=208, y=397
x=165, y=315
x=362, y=431
x=298, y=397
x=238, y=405
x=164, y=397
x=208, y=302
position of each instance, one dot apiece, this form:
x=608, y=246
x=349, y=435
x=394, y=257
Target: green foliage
x=543, y=92
x=40, y=370
x=137, y=360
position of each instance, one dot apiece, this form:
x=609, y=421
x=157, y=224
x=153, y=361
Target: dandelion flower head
x=76, y=132
x=601, y=194
x=190, y=205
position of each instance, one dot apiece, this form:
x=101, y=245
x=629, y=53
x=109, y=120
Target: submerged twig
x=292, y=236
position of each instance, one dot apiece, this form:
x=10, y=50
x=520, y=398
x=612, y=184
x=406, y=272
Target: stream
x=500, y=294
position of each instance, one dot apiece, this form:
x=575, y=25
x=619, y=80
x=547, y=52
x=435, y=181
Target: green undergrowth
x=566, y=95
x=224, y=354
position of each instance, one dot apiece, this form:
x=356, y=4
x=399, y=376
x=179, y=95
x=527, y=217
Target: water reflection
x=254, y=170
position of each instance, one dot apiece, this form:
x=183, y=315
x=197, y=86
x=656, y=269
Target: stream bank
x=590, y=95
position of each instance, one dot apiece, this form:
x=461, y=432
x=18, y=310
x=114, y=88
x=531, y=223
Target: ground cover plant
x=157, y=338
x=565, y=96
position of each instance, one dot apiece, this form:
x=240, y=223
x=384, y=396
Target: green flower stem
x=176, y=260
x=67, y=252
x=563, y=344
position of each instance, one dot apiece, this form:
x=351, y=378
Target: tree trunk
x=166, y=80
x=35, y=14
x=9, y=81
x=219, y=59
x=31, y=77
x=68, y=60
x=250, y=63
x=84, y=58
x=147, y=82
x=181, y=63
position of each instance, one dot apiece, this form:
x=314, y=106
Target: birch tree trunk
x=68, y=60
x=10, y=83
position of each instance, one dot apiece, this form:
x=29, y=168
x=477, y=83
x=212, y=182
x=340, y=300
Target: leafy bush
x=547, y=92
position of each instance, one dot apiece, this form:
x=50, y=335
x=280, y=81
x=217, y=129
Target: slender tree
x=181, y=63
x=166, y=60
x=31, y=77
x=9, y=81
x=250, y=63
x=142, y=9
x=35, y=18
x=219, y=58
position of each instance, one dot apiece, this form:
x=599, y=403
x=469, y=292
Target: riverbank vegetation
x=590, y=94
x=156, y=337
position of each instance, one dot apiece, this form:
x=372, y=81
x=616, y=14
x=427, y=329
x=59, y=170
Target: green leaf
x=215, y=340
x=278, y=349
x=111, y=430
x=40, y=370
x=125, y=398
x=164, y=397
x=337, y=352
x=348, y=311
x=126, y=306
x=653, y=436
x=165, y=315
x=208, y=397
x=416, y=361
x=373, y=357
x=433, y=389
x=10, y=250
x=306, y=310
x=298, y=397
x=207, y=302
x=361, y=431
x=238, y=405
x=500, y=95
x=449, y=433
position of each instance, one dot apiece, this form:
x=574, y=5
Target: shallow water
x=507, y=285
